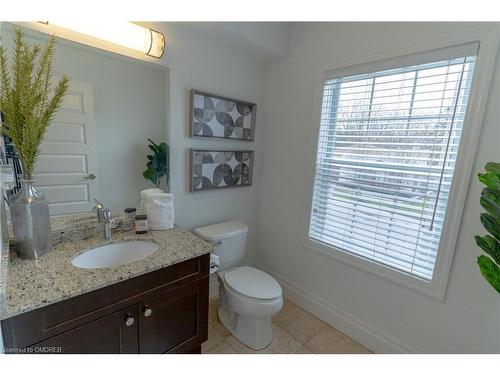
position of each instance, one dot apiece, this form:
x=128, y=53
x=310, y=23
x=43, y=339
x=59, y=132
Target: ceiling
x=265, y=41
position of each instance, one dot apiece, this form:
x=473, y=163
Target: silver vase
x=30, y=222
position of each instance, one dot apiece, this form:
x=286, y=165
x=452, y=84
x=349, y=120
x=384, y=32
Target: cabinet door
x=176, y=320
x=112, y=334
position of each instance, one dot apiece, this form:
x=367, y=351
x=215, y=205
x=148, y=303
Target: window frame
x=473, y=122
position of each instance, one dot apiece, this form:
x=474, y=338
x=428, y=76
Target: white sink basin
x=115, y=254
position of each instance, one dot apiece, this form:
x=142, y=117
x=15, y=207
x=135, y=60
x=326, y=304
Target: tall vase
x=30, y=222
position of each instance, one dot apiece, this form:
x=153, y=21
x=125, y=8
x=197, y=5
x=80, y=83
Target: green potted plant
x=158, y=163
x=29, y=102
x=490, y=243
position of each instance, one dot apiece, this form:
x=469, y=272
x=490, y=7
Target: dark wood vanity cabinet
x=175, y=322
x=165, y=311
x=107, y=335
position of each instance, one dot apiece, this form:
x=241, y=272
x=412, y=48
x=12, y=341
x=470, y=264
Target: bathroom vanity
x=155, y=305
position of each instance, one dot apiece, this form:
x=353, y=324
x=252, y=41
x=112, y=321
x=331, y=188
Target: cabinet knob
x=147, y=311
x=129, y=321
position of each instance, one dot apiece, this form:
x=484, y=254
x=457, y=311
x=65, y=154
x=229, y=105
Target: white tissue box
x=159, y=208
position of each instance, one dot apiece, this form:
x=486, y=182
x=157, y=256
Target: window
x=387, y=150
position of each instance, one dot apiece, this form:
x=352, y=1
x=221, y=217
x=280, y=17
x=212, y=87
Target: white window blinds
x=387, y=149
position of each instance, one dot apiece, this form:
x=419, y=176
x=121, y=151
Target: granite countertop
x=30, y=284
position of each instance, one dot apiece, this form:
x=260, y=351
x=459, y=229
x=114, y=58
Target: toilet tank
x=228, y=239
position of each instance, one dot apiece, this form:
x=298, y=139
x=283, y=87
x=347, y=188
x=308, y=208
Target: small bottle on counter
x=141, y=224
x=129, y=220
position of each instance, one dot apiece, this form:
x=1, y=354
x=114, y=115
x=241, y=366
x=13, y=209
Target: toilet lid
x=253, y=283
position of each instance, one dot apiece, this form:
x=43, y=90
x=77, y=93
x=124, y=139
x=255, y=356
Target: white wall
x=201, y=63
x=382, y=315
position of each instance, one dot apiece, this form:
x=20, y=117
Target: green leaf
x=491, y=224
x=492, y=167
x=491, y=194
x=28, y=99
x=158, y=162
x=490, y=245
x=150, y=174
x=490, y=201
x=162, y=148
x=490, y=179
x=153, y=146
x=490, y=271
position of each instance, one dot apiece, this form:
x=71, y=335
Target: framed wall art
x=214, y=116
x=220, y=169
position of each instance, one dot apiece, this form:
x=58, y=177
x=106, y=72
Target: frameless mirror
x=97, y=145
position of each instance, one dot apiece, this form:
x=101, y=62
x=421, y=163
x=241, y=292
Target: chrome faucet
x=104, y=218
x=108, y=220
x=99, y=209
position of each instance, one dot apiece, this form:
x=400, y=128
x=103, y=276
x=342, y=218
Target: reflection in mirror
x=96, y=146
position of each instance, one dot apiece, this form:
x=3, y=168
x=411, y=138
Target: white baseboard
x=367, y=335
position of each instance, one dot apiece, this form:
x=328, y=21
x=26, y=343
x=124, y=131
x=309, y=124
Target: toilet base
x=247, y=319
x=255, y=333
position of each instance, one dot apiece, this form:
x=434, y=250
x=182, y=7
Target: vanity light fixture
x=127, y=34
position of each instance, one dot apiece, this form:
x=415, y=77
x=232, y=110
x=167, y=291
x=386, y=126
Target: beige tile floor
x=294, y=331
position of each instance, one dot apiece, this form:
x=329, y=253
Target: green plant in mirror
x=490, y=243
x=27, y=98
x=158, y=163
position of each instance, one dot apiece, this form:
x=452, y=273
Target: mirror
x=96, y=147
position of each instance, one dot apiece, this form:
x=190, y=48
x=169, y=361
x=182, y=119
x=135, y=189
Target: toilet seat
x=253, y=283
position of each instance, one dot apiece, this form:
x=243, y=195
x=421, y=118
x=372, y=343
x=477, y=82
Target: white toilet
x=248, y=296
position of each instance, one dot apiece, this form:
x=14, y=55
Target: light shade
x=126, y=34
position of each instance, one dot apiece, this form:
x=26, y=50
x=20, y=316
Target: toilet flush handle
x=217, y=243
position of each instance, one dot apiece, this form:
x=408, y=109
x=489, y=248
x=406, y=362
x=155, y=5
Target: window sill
x=427, y=288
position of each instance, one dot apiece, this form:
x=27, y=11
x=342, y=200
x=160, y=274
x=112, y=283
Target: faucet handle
x=106, y=214
x=98, y=206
